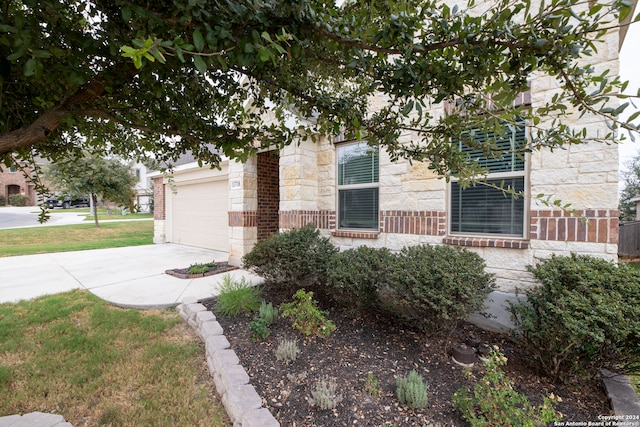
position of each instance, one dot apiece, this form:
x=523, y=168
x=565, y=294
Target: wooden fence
x=629, y=240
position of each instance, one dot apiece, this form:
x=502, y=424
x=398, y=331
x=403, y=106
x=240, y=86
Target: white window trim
x=354, y=187
x=525, y=173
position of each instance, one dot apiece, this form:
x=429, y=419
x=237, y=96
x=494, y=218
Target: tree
x=96, y=175
x=631, y=181
x=165, y=77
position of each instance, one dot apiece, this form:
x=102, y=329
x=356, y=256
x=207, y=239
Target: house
x=13, y=181
x=358, y=196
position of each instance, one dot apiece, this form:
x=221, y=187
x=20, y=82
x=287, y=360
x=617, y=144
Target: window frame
x=524, y=174
x=347, y=187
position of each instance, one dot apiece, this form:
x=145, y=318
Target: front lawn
x=75, y=355
x=27, y=241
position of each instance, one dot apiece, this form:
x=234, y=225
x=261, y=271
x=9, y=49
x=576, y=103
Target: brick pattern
x=481, y=242
x=243, y=219
x=15, y=183
x=356, y=234
x=325, y=219
x=425, y=223
x=268, y=169
x=590, y=225
x=159, y=207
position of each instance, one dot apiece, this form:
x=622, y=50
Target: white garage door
x=200, y=215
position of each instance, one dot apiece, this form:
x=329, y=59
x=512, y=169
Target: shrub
x=324, y=395
x=412, y=390
x=237, y=296
x=305, y=315
x=287, y=351
x=356, y=274
x=584, y=316
x=371, y=385
x=433, y=287
x=19, y=200
x=297, y=258
x=494, y=402
x=3, y=201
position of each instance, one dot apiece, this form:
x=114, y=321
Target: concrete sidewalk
x=132, y=277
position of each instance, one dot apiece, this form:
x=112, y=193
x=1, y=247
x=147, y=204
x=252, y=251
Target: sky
x=630, y=70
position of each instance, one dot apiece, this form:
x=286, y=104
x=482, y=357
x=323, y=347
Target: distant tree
x=631, y=179
x=93, y=174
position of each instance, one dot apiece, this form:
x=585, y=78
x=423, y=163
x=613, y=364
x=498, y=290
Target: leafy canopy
x=94, y=175
x=165, y=77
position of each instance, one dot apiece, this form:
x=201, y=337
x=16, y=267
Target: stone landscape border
x=239, y=398
x=178, y=272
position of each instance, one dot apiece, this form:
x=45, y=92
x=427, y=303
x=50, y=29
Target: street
x=27, y=216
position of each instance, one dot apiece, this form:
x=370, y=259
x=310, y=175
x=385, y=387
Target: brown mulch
x=386, y=349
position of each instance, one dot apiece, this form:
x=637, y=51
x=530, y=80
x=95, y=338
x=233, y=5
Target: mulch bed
x=218, y=268
x=380, y=346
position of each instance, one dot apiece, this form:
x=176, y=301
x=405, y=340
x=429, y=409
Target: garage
x=199, y=214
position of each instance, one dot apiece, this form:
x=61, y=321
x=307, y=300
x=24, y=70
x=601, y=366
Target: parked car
x=67, y=202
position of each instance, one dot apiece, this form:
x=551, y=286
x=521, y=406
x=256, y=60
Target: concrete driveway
x=128, y=277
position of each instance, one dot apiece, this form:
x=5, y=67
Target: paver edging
x=238, y=396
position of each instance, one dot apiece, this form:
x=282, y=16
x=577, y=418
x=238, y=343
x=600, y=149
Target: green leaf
x=265, y=54
x=126, y=13
x=198, y=40
x=200, y=64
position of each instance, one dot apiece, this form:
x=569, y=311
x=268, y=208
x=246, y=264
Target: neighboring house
x=144, y=188
x=13, y=181
x=357, y=196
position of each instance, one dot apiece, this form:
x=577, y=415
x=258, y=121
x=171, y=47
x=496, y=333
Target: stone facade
x=413, y=201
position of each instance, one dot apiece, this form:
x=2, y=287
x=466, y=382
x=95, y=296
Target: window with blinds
x=358, y=173
x=486, y=210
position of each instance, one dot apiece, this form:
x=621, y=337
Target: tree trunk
x=94, y=198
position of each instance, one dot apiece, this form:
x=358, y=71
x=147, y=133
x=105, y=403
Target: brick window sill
x=356, y=234
x=480, y=242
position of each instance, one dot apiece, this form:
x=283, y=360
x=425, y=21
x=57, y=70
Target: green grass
x=64, y=238
x=96, y=364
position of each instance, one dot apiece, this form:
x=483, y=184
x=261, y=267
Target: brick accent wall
x=16, y=182
x=243, y=219
x=426, y=223
x=159, y=207
x=268, y=169
x=325, y=219
x=481, y=242
x=590, y=225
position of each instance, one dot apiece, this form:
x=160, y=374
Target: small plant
x=237, y=296
x=268, y=312
x=199, y=268
x=259, y=329
x=371, y=385
x=305, y=315
x=324, y=396
x=494, y=402
x=412, y=390
x=287, y=351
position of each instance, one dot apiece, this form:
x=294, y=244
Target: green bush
x=295, y=259
x=433, y=287
x=237, y=296
x=19, y=200
x=356, y=274
x=584, y=316
x=198, y=268
x=305, y=315
x=3, y=201
x=493, y=402
x=412, y=390
x=259, y=329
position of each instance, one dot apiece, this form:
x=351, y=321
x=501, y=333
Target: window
x=358, y=187
x=13, y=170
x=485, y=210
